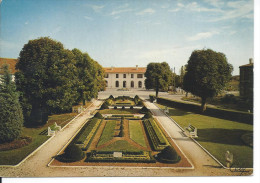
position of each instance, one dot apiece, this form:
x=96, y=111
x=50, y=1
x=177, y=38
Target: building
x=11, y=62
x=125, y=77
x=246, y=85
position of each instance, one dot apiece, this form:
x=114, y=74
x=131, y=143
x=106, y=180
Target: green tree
x=46, y=78
x=158, y=76
x=90, y=76
x=11, y=116
x=207, y=74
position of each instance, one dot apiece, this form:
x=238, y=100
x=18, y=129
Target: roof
x=125, y=69
x=247, y=65
x=9, y=61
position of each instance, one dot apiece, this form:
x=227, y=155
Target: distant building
x=125, y=77
x=11, y=62
x=246, y=85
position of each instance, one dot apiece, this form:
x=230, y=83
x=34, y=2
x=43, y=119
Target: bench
x=51, y=132
x=191, y=131
x=57, y=127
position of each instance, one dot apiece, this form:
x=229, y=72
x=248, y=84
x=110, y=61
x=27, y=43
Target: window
x=106, y=84
x=132, y=75
x=132, y=84
x=117, y=84
x=106, y=75
x=139, y=75
x=124, y=75
x=140, y=84
x=117, y=75
x=124, y=84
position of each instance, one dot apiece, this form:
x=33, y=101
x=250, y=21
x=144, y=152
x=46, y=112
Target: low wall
x=243, y=117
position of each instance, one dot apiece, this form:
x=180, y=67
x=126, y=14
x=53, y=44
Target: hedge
x=107, y=156
x=238, y=116
x=168, y=155
x=156, y=136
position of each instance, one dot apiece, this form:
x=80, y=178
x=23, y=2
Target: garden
x=122, y=132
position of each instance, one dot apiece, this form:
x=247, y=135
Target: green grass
x=136, y=132
x=108, y=132
x=38, y=135
x=13, y=157
x=120, y=145
x=119, y=111
x=218, y=135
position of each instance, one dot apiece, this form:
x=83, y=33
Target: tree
x=46, y=78
x=158, y=76
x=11, y=116
x=207, y=74
x=90, y=76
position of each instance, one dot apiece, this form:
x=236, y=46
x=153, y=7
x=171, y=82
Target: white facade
x=125, y=77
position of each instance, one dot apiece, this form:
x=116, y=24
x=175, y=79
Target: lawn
x=38, y=135
x=119, y=111
x=108, y=132
x=120, y=145
x=136, y=132
x=218, y=135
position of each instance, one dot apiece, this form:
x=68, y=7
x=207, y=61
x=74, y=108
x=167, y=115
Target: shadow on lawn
x=222, y=136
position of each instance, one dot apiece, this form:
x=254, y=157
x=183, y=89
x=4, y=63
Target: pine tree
x=11, y=116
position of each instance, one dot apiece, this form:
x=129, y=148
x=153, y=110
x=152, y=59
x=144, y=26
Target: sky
x=125, y=33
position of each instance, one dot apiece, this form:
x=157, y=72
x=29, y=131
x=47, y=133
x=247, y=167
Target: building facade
x=246, y=85
x=125, y=77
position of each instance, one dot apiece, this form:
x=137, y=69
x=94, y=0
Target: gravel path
x=36, y=165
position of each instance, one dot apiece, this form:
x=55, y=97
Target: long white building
x=125, y=77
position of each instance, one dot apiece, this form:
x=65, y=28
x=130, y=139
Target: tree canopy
x=207, y=74
x=11, y=116
x=51, y=78
x=158, y=76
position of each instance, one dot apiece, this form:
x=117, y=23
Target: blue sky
x=127, y=33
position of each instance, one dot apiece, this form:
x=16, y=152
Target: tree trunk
x=157, y=91
x=203, y=104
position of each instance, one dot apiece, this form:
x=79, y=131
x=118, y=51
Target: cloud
x=96, y=8
x=146, y=11
x=26, y=23
x=202, y=35
x=116, y=12
x=179, y=7
x=194, y=6
x=88, y=18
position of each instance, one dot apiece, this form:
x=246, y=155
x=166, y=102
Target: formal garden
x=122, y=132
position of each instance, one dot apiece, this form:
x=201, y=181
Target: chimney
x=136, y=67
x=251, y=61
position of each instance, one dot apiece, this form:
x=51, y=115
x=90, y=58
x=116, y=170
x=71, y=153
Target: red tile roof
x=125, y=69
x=247, y=65
x=9, y=61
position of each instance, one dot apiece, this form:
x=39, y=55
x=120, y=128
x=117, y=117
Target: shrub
x=123, y=107
x=111, y=97
x=144, y=110
x=131, y=107
x=148, y=115
x=98, y=115
x=140, y=103
x=169, y=155
x=104, y=106
x=115, y=107
x=152, y=98
x=73, y=153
